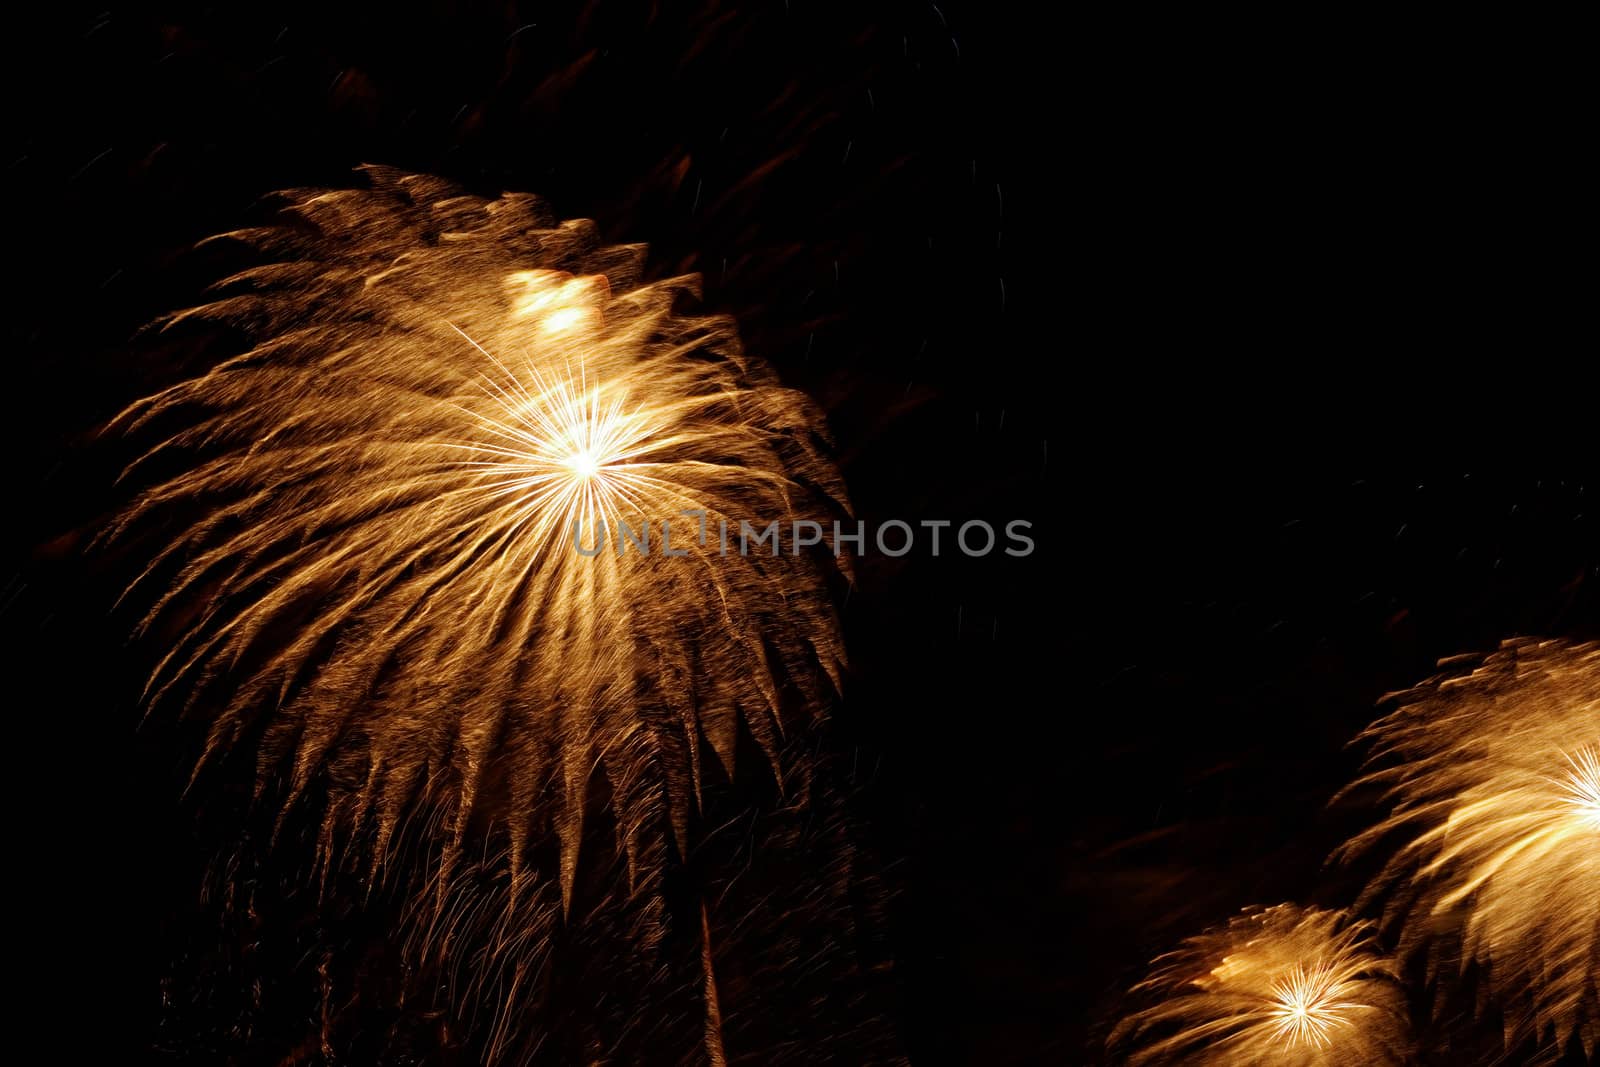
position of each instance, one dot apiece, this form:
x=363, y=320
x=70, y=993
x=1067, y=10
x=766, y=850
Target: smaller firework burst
x=1492, y=774
x=1300, y=987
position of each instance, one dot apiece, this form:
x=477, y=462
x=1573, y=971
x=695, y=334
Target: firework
x=379, y=579
x=1285, y=985
x=1492, y=774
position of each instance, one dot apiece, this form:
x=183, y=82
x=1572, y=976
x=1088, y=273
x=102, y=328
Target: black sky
x=1268, y=325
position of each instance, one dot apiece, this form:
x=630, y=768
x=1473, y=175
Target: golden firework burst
x=1284, y=985
x=1492, y=772
x=370, y=576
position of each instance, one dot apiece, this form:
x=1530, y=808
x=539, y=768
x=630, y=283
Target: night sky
x=1265, y=326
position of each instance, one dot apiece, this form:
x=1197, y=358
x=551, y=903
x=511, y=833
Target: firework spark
x=1493, y=775
x=1284, y=985
x=373, y=585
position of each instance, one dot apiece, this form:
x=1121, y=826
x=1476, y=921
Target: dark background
x=1264, y=324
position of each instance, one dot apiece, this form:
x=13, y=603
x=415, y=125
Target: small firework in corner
x=1299, y=987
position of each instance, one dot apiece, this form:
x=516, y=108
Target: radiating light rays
x=363, y=574
x=1308, y=1008
x=574, y=454
x=1285, y=985
x=1582, y=786
x=1492, y=772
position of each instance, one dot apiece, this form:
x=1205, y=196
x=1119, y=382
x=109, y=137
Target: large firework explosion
x=1298, y=987
x=1492, y=773
x=369, y=585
